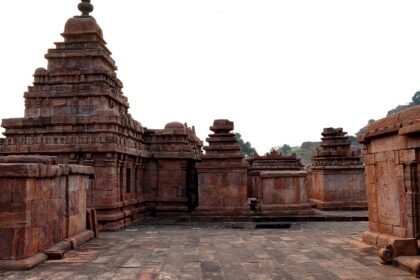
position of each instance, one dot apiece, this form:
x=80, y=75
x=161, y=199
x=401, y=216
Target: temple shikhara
x=77, y=163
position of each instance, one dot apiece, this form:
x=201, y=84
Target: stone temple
x=76, y=110
x=77, y=163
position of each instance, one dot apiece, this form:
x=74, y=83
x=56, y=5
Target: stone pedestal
x=222, y=176
x=272, y=161
x=41, y=204
x=279, y=185
x=392, y=164
x=284, y=193
x=337, y=176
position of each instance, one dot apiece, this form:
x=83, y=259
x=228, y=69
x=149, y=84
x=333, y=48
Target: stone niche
x=41, y=204
x=336, y=180
x=278, y=184
x=392, y=157
x=222, y=176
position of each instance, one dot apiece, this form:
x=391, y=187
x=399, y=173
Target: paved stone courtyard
x=311, y=250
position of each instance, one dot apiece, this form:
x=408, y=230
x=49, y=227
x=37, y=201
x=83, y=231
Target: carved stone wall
x=392, y=154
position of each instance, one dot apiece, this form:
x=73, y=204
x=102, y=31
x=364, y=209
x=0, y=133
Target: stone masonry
x=278, y=184
x=337, y=175
x=171, y=181
x=272, y=161
x=392, y=156
x=41, y=204
x=222, y=175
x=76, y=110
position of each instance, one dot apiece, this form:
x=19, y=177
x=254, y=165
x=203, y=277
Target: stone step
x=408, y=263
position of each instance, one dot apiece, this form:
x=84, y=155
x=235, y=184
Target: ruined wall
x=41, y=204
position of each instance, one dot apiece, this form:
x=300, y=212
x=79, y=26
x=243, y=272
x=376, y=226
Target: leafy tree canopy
x=416, y=98
x=246, y=147
x=285, y=150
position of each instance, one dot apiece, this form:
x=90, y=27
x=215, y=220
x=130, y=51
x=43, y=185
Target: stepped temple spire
x=76, y=110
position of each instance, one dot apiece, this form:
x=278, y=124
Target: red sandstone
x=337, y=174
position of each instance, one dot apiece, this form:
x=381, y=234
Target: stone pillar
x=41, y=204
x=337, y=175
x=222, y=176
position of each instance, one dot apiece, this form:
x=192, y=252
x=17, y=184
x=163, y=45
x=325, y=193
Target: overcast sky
x=281, y=70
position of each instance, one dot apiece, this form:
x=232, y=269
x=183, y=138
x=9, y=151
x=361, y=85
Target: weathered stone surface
x=172, y=181
x=39, y=210
x=392, y=152
x=284, y=193
x=337, y=175
x=272, y=161
x=76, y=110
x=278, y=183
x=315, y=250
x=222, y=174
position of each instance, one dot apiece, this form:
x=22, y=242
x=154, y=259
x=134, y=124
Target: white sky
x=281, y=70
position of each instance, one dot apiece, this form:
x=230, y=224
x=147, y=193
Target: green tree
x=416, y=98
x=246, y=147
x=285, y=150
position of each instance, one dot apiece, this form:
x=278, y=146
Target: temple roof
x=83, y=23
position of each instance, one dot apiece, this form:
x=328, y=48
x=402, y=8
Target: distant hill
x=304, y=152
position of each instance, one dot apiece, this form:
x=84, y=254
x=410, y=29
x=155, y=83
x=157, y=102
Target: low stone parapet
x=42, y=203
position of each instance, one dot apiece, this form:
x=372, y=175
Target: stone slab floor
x=328, y=250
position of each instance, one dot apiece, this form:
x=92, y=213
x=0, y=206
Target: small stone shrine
x=278, y=184
x=222, y=176
x=337, y=180
x=171, y=180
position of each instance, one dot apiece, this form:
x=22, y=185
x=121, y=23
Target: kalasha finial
x=85, y=7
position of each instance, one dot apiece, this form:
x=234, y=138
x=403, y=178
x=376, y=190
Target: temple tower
x=76, y=110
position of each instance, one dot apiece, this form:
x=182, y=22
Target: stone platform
x=305, y=251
